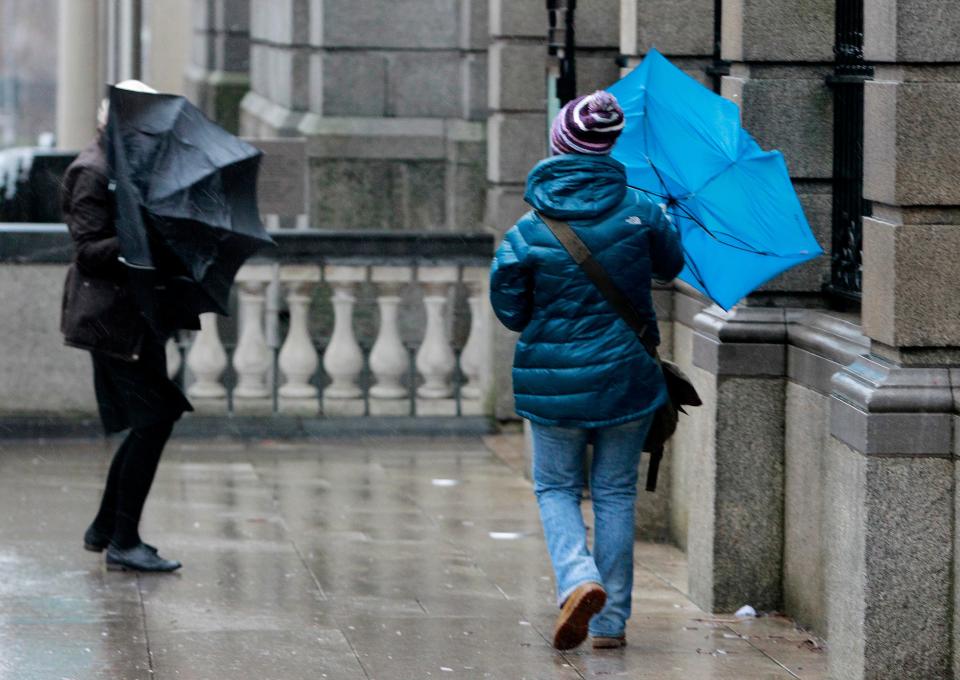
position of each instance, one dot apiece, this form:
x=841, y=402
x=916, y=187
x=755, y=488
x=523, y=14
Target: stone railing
x=297, y=375
x=333, y=324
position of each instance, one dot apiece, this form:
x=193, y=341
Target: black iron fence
x=850, y=73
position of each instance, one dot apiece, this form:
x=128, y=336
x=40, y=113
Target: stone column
x=475, y=359
x=207, y=360
x=79, y=89
x=169, y=23
x=298, y=358
x=252, y=358
x=389, y=358
x=891, y=596
x=343, y=359
x=218, y=74
x=435, y=359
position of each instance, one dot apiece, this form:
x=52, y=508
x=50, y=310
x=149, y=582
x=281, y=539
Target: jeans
x=559, y=479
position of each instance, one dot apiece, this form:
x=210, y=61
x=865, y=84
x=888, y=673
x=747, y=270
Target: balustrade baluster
x=251, y=359
x=343, y=360
x=207, y=361
x=298, y=358
x=389, y=359
x=174, y=360
x=475, y=361
x=435, y=358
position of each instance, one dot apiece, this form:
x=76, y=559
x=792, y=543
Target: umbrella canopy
x=187, y=215
x=733, y=203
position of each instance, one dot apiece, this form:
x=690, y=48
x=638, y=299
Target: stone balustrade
x=313, y=370
x=327, y=323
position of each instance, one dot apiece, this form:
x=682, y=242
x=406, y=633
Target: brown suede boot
x=580, y=607
x=603, y=642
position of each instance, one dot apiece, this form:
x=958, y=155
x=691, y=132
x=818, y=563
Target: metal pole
x=561, y=43
x=719, y=68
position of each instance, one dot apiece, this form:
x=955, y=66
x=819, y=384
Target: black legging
x=128, y=483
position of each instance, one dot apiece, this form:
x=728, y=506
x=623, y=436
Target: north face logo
x=633, y=219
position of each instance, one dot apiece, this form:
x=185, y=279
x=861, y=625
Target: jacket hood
x=576, y=187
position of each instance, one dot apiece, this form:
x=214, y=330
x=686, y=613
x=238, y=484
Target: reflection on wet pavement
x=370, y=559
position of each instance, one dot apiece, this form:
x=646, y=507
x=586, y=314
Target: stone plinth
x=890, y=494
x=45, y=376
x=735, y=531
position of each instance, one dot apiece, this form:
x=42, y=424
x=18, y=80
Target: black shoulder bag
x=680, y=390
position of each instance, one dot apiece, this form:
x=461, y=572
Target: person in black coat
x=133, y=389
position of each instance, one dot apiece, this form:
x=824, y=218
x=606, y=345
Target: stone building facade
x=819, y=477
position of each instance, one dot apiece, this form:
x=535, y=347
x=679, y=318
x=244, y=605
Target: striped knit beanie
x=587, y=125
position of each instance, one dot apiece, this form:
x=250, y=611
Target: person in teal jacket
x=580, y=373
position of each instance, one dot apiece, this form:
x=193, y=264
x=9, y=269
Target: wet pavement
x=375, y=559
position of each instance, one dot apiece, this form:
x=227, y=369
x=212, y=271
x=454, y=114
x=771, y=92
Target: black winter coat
x=99, y=314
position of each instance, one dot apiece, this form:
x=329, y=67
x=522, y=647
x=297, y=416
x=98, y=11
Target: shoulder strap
x=598, y=275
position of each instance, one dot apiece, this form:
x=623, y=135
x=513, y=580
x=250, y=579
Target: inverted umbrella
x=187, y=215
x=737, y=212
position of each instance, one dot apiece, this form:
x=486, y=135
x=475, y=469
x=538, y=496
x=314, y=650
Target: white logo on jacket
x=633, y=219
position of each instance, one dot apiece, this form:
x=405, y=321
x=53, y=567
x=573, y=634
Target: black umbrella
x=187, y=214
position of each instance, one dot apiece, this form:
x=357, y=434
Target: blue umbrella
x=733, y=203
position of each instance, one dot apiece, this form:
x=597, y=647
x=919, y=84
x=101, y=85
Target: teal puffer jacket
x=577, y=363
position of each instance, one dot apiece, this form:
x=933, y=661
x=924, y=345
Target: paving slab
x=370, y=558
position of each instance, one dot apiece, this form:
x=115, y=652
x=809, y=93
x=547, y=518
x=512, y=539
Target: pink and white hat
x=587, y=125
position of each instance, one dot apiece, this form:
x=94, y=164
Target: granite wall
x=218, y=74
x=391, y=96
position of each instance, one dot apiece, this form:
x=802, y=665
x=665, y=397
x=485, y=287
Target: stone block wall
x=218, y=74
x=780, y=58
x=683, y=30
x=392, y=98
x=820, y=345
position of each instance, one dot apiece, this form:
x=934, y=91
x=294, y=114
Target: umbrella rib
x=656, y=171
x=696, y=220
x=647, y=135
x=199, y=179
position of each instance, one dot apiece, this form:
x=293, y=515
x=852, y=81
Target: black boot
x=138, y=558
x=95, y=540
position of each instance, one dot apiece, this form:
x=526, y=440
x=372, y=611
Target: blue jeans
x=559, y=479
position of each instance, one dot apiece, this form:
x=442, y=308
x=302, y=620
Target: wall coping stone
x=281, y=119
x=880, y=386
x=203, y=426
x=746, y=341
x=820, y=344
x=687, y=303
x=663, y=302
x=879, y=408
x=51, y=244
